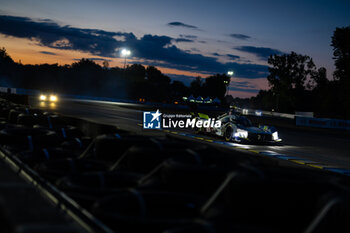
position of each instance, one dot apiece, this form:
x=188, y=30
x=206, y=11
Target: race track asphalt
x=305, y=147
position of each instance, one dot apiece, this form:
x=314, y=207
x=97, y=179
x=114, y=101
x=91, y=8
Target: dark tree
x=88, y=76
x=10, y=72
x=138, y=84
x=216, y=86
x=4, y=57
x=158, y=85
x=319, y=80
x=105, y=64
x=341, y=53
x=196, y=86
x=264, y=100
x=322, y=93
x=288, y=78
x=154, y=75
x=178, y=90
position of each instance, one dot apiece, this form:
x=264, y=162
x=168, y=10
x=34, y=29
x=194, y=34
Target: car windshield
x=244, y=121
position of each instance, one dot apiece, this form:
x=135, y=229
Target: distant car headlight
x=258, y=113
x=53, y=98
x=275, y=136
x=241, y=133
x=42, y=97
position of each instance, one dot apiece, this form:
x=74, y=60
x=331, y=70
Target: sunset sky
x=182, y=38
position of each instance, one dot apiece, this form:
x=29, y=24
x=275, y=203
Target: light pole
x=125, y=53
x=230, y=73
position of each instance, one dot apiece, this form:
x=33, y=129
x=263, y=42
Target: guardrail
x=254, y=112
x=302, y=119
x=8, y=90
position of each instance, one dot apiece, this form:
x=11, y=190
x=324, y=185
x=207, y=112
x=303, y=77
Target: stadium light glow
x=125, y=52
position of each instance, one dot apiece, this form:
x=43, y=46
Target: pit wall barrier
x=8, y=90
x=254, y=112
x=302, y=119
x=322, y=123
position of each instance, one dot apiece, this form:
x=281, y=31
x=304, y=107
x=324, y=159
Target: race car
x=44, y=97
x=237, y=128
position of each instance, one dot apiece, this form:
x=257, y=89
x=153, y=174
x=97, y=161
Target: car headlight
x=275, y=136
x=42, y=97
x=53, y=98
x=241, y=133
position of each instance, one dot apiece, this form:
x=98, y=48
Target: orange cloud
x=30, y=52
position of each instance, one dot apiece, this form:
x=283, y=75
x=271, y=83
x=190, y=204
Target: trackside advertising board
x=322, y=123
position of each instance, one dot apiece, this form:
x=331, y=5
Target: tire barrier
x=28, y=138
x=55, y=169
x=147, y=211
x=138, y=183
x=272, y=204
x=46, y=154
x=198, y=226
x=12, y=116
x=86, y=188
x=110, y=147
x=142, y=159
x=26, y=119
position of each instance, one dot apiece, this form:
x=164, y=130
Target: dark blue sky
x=181, y=37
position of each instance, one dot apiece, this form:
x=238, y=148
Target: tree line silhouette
x=86, y=77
